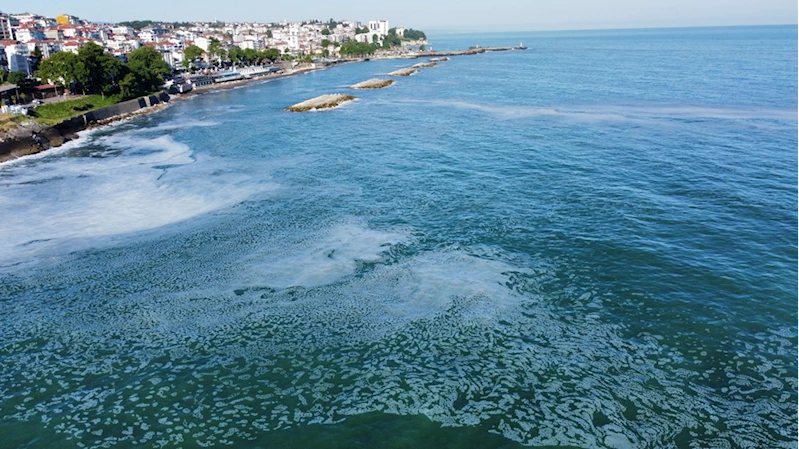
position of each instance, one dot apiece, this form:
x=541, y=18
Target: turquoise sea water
x=589, y=244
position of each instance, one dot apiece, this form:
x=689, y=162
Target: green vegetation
x=17, y=78
x=54, y=113
x=422, y=47
x=36, y=58
x=414, y=35
x=190, y=54
x=325, y=32
x=363, y=30
x=351, y=48
x=147, y=71
x=93, y=71
x=250, y=56
x=9, y=122
x=216, y=50
x=394, y=40
x=137, y=24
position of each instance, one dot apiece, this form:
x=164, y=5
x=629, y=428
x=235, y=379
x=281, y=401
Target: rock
x=374, y=83
x=424, y=65
x=403, y=72
x=321, y=102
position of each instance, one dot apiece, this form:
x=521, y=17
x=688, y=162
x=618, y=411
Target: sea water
x=591, y=243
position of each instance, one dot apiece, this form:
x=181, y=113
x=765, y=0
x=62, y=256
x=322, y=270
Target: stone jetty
x=374, y=83
x=321, y=102
x=423, y=65
x=403, y=72
x=439, y=59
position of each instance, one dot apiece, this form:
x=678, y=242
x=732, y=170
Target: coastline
x=34, y=138
x=37, y=138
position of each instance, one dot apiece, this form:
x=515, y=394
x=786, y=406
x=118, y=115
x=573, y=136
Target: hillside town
x=26, y=37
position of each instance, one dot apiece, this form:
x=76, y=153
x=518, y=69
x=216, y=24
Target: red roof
x=45, y=86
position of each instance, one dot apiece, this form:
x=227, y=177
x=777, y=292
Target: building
x=29, y=33
x=6, y=28
x=65, y=19
x=54, y=34
x=17, y=56
x=202, y=42
x=379, y=27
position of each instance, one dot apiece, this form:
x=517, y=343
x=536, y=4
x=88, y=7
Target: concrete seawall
x=35, y=138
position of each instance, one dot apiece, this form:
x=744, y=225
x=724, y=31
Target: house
x=54, y=33
x=27, y=33
x=47, y=47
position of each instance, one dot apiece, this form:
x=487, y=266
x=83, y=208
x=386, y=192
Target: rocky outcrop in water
x=403, y=72
x=322, y=102
x=374, y=83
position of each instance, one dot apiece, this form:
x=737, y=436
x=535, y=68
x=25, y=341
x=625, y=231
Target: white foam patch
x=455, y=335
x=617, y=113
x=323, y=259
x=131, y=183
x=181, y=124
x=433, y=283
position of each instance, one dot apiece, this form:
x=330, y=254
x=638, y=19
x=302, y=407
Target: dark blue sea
x=588, y=244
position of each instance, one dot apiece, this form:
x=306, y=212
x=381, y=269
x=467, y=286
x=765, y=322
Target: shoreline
x=36, y=138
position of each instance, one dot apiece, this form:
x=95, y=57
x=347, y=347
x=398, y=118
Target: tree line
x=139, y=24
x=236, y=55
x=94, y=71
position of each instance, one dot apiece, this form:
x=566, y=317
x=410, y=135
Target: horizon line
x=555, y=30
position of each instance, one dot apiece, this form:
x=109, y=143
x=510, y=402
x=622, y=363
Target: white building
x=26, y=34
x=202, y=42
x=379, y=27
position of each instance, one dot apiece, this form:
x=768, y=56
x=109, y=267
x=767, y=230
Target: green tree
x=271, y=54
x=36, y=58
x=236, y=55
x=190, y=54
x=137, y=24
x=363, y=30
x=414, y=35
x=422, y=47
x=325, y=42
x=352, y=48
x=148, y=69
x=59, y=69
x=215, y=49
x=250, y=55
x=17, y=78
x=269, y=34
x=130, y=86
x=325, y=32
x=91, y=68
